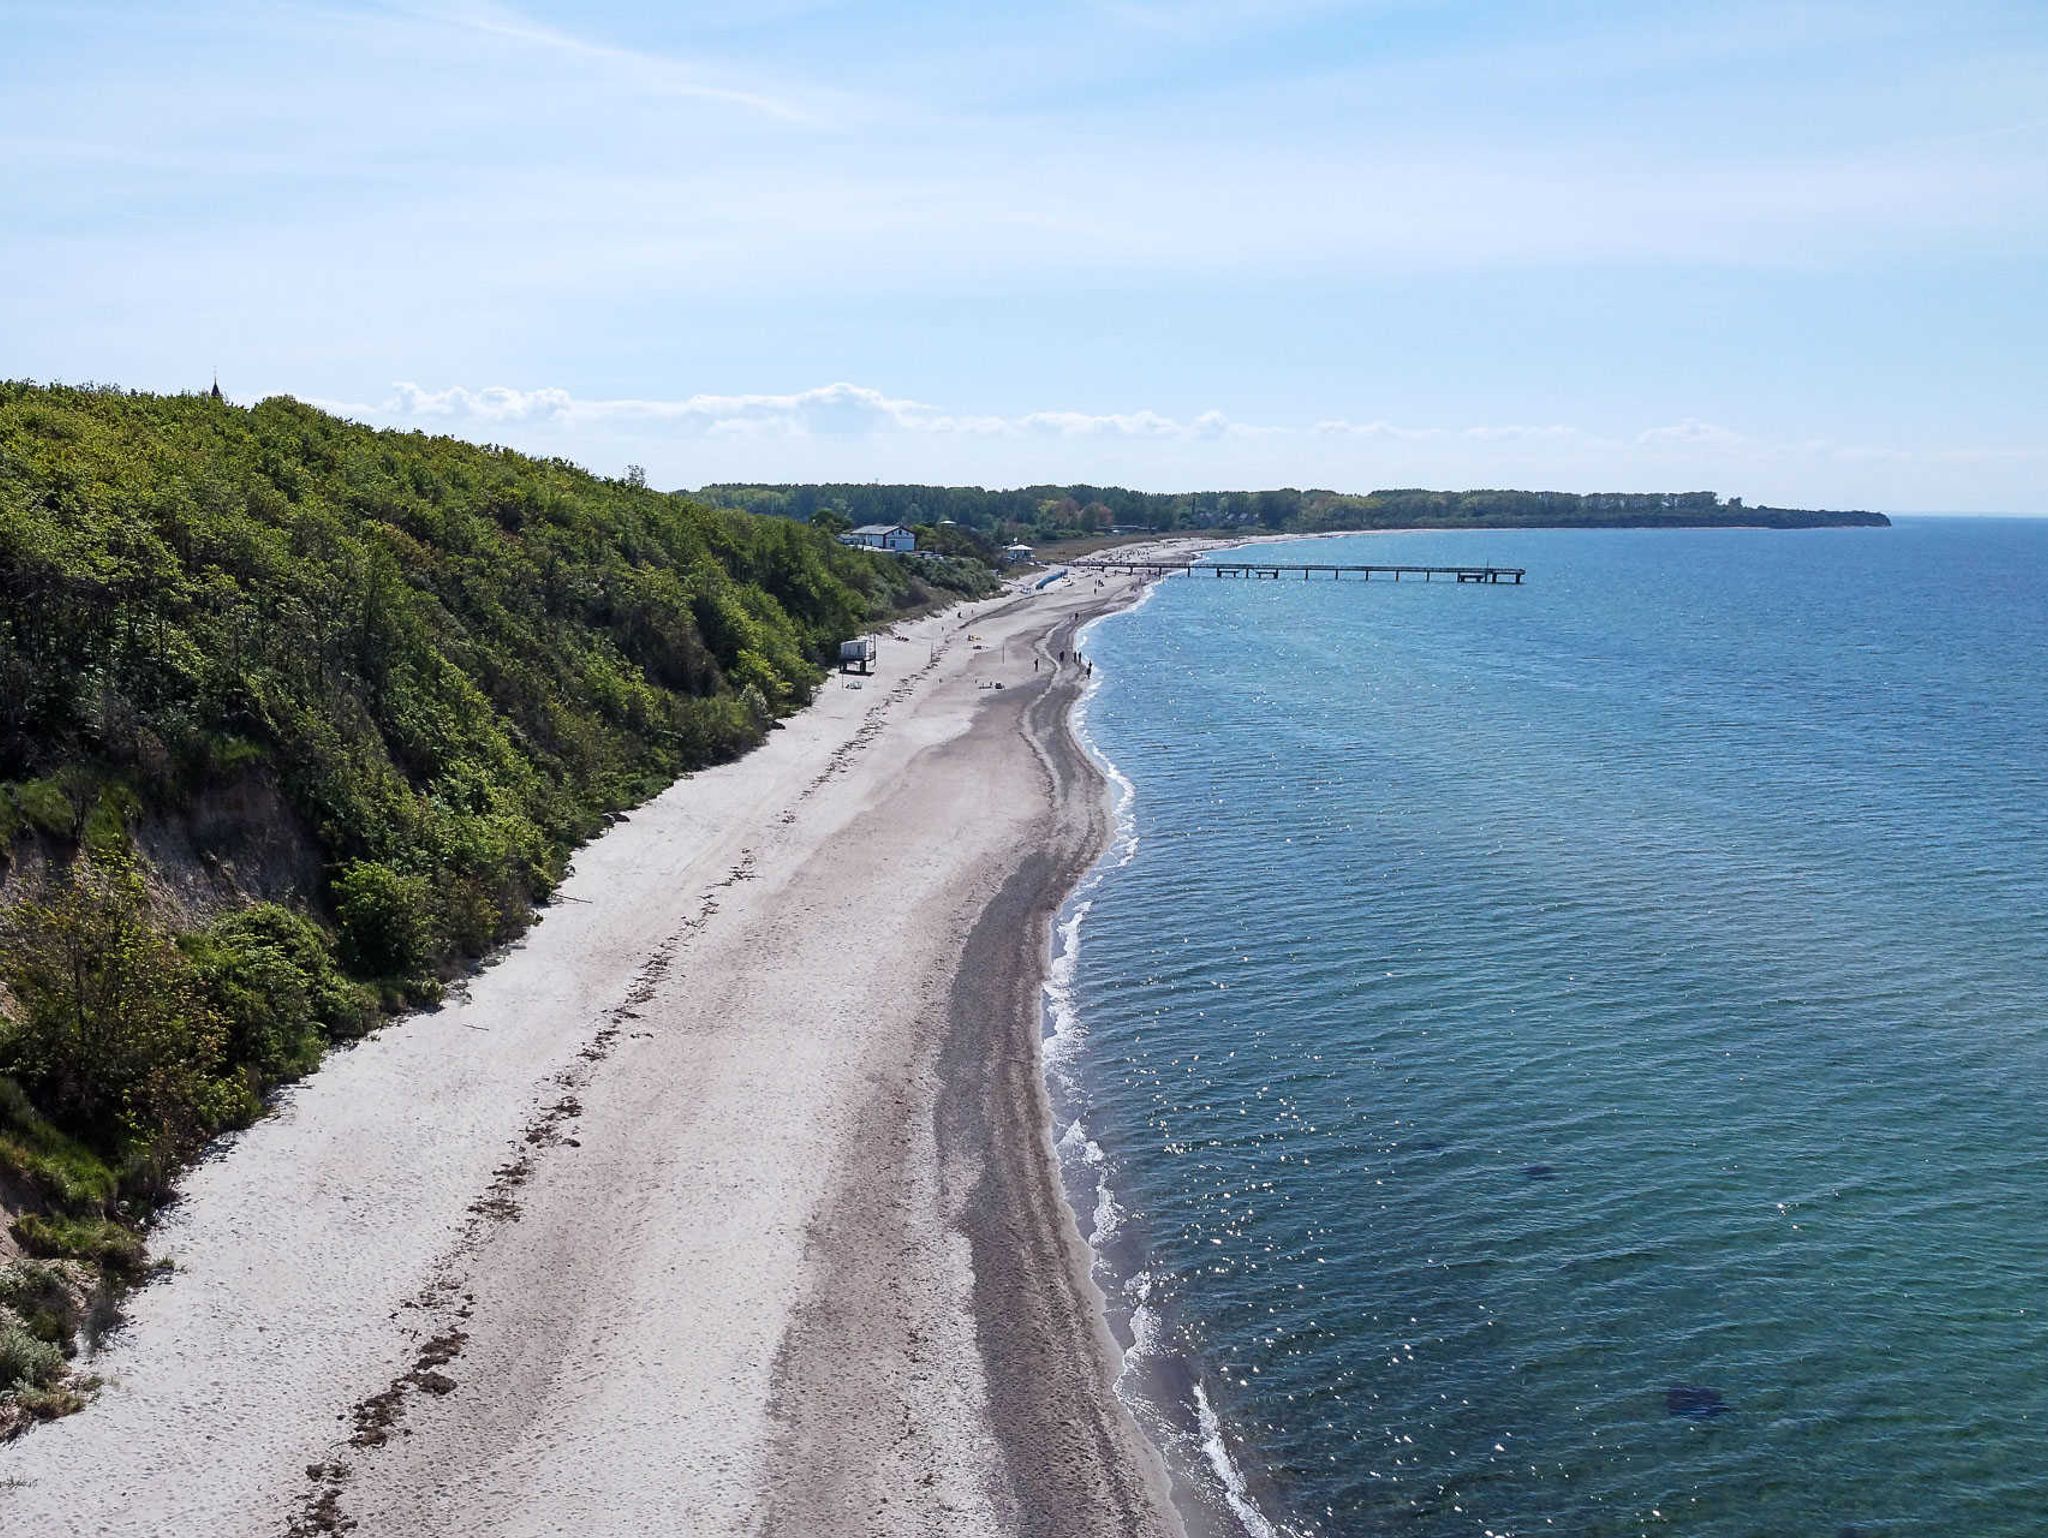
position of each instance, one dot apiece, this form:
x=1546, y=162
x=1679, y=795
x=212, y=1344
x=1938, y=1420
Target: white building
x=880, y=536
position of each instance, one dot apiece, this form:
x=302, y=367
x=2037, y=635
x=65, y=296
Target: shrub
x=48, y=1302
x=387, y=926
x=105, y=829
x=44, y=807
x=25, y=1361
x=270, y=976
x=113, y=1036
x=226, y=753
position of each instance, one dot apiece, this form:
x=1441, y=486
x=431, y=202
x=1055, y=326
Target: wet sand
x=724, y=1203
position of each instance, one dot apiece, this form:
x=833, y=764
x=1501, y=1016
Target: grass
x=60, y=1170
x=26, y=1360
x=100, y=1240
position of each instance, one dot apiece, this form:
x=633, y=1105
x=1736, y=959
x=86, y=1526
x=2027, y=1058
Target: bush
x=113, y=1037
x=270, y=976
x=105, y=829
x=47, y=1301
x=25, y=1361
x=387, y=924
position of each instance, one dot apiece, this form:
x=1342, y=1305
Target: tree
x=111, y=1031
x=952, y=539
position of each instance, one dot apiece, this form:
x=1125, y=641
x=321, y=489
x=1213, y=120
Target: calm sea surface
x=1575, y=1058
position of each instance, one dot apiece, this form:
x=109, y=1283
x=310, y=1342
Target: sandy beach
x=723, y=1203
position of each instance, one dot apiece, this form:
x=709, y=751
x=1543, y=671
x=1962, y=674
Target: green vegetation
x=42, y=1306
x=271, y=976
x=112, y=1034
x=376, y=686
x=26, y=1360
x=1036, y=514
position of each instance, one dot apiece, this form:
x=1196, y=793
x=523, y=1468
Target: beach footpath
x=722, y=1203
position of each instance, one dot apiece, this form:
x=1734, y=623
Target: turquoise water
x=1573, y=1058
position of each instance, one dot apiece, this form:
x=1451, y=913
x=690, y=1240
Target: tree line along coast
x=976, y=521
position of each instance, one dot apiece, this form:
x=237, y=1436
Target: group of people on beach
x=1086, y=666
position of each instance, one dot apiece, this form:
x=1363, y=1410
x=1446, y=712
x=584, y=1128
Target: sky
x=1792, y=252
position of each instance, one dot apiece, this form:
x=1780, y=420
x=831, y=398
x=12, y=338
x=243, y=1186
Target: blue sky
x=1797, y=253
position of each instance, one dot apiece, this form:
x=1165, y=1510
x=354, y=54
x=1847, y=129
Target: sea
x=1572, y=1058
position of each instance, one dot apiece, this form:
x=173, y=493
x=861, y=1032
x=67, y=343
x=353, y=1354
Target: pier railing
x=1271, y=570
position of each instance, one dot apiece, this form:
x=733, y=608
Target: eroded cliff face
x=238, y=842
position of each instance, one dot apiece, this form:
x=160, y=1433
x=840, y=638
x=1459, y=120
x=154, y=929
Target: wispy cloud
x=832, y=409
x=1394, y=432
x=849, y=410
x=1212, y=19
x=1691, y=433
x=847, y=431
x=644, y=71
x=1575, y=244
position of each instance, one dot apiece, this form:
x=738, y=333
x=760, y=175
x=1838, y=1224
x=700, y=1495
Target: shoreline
x=729, y=1190
x=1160, y=1381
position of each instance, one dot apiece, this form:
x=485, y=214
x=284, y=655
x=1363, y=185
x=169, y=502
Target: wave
x=1228, y=1474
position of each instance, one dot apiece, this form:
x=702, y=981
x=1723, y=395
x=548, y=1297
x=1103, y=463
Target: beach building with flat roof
x=880, y=536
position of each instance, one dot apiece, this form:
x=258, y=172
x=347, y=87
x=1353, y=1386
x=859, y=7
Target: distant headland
x=1042, y=513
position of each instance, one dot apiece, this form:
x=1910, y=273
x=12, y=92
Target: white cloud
x=1131, y=424
x=846, y=410
x=846, y=431
x=493, y=404
x=1692, y=433
x=839, y=409
x=1483, y=433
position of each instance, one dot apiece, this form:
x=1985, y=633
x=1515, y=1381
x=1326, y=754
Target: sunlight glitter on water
x=1564, y=1057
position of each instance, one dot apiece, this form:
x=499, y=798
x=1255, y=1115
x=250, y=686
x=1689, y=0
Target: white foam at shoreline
x=1063, y=1041
x=1148, y=1326
x=1124, y=844
x=1228, y=1474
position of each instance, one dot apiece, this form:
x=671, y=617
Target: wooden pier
x=1273, y=571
